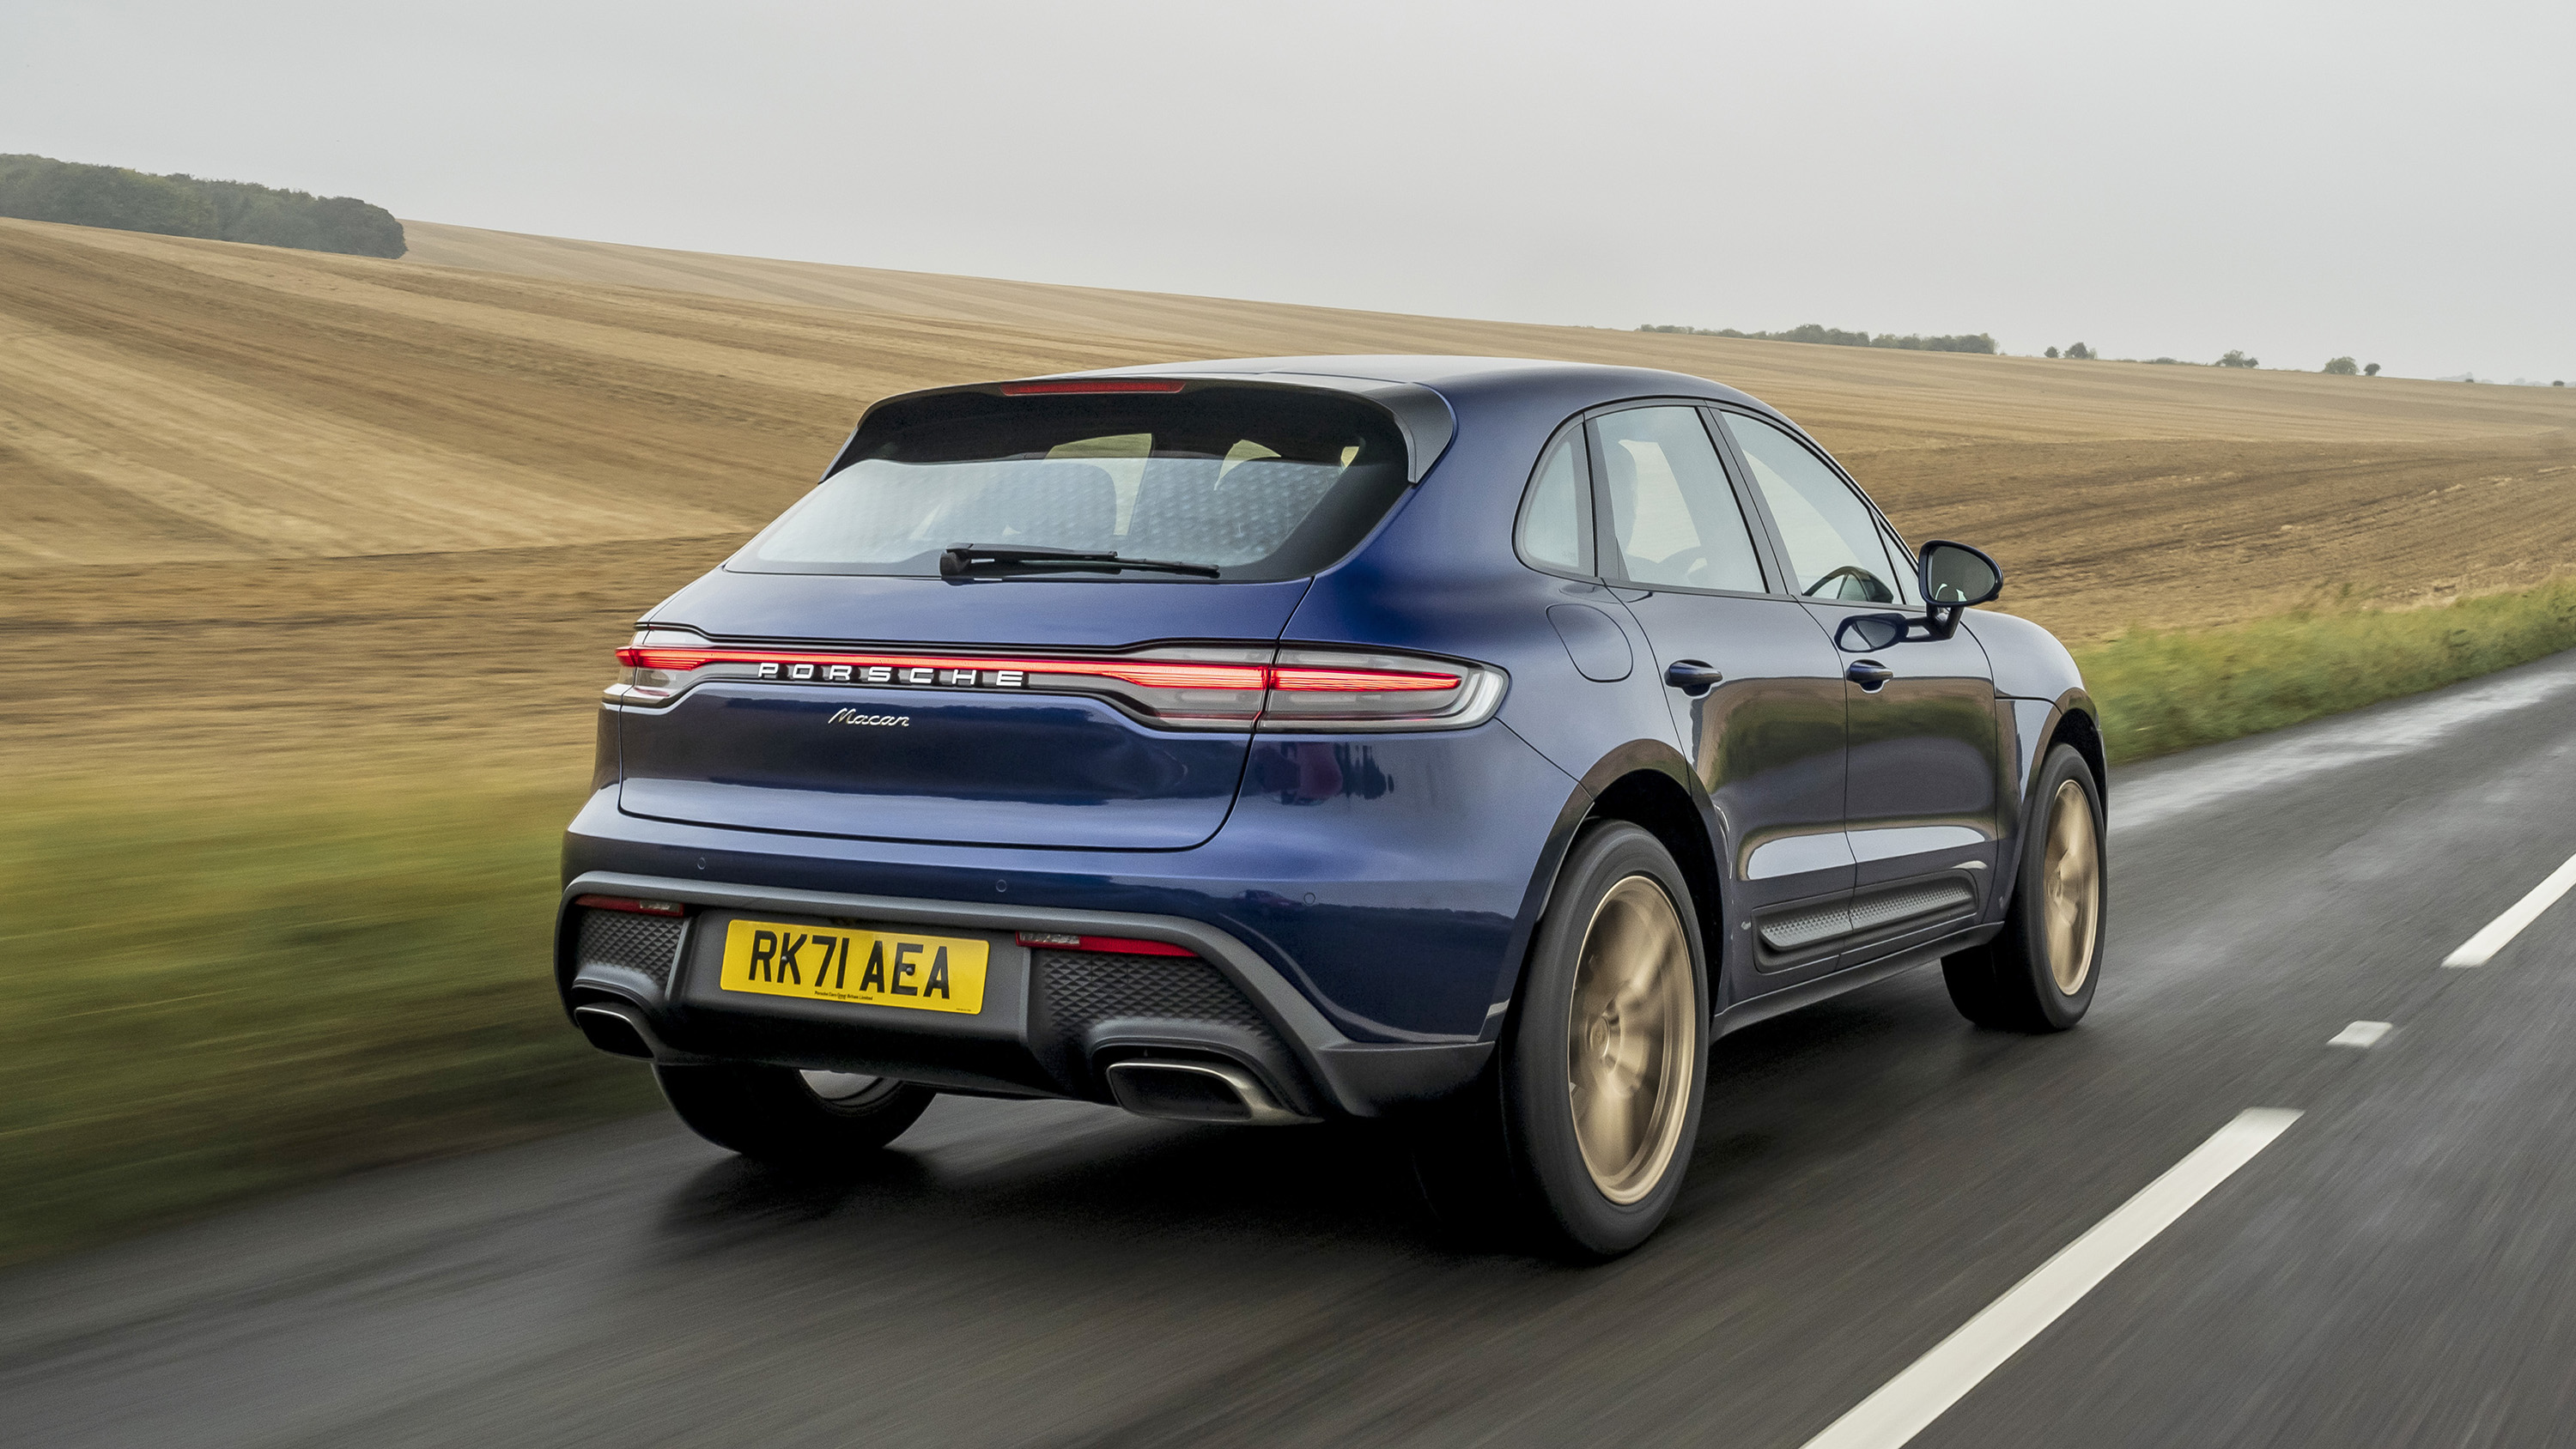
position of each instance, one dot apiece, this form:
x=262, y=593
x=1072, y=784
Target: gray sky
x=2394, y=181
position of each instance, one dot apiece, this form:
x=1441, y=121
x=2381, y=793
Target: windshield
x=1258, y=483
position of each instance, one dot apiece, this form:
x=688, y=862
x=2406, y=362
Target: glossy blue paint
x=2028, y=661
x=1344, y=863
x=939, y=765
x=1418, y=851
x=1594, y=641
x=1391, y=880
x=1923, y=750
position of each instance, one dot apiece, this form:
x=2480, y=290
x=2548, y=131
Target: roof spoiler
x=1420, y=414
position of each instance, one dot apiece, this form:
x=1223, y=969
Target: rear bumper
x=1392, y=880
x=1052, y=1021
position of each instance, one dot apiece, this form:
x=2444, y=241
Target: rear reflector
x=1113, y=945
x=1089, y=384
x=629, y=903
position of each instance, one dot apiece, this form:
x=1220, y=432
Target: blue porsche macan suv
x=1462, y=742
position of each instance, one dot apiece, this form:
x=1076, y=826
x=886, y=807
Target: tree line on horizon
x=2236, y=357
x=1980, y=342
x=39, y=188
x=1836, y=337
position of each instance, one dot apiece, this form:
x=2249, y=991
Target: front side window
x=1258, y=483
x=1836, y=549
x=1673, y=517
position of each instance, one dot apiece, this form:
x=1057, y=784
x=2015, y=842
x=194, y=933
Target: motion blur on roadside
x=318, y=529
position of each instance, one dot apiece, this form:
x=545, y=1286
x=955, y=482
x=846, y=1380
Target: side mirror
x=1955, y=576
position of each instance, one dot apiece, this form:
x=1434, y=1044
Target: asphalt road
x=2397, y=1268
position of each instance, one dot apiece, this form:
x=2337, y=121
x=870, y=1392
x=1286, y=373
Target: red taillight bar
x=1090, y=384
x=1153, y=674
x=1352, y=680
x=630, y=904
x=1114, y=945
x=1150, y=673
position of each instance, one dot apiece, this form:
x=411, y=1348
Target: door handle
x=1869, y=674
x=1692, y=676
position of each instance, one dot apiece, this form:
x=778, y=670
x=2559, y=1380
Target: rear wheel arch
x=1656, y=803
x=1513, y=1156
x=1645, y=784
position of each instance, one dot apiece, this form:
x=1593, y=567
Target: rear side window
x=1556, y=522
x=1674, y=515
x=1259, y=483
x=1835, y=546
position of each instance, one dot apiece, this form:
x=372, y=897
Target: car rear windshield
x=1258, y=483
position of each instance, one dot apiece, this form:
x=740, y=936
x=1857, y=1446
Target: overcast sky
x=2393, y=181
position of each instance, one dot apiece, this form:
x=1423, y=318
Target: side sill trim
x=1807, y=993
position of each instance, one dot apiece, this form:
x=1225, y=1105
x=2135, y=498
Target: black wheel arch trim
x=1583, y=804
x=2072, y=719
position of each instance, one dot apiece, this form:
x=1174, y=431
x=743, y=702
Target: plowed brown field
x=285, y=486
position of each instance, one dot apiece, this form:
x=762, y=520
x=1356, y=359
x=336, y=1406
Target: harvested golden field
x=284, y=485
x=310, y=566
x=227, y=674
x=168, y=399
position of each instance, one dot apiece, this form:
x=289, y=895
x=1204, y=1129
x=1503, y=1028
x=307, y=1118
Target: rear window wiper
x=975, y=560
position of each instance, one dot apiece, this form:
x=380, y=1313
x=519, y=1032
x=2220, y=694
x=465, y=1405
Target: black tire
x=2028, y=979
x=1576, y=1141
x=776, y=1115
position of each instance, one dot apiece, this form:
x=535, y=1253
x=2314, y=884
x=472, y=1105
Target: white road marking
x=1913, y=1399
x=2359, y=1034
x=2479, y=949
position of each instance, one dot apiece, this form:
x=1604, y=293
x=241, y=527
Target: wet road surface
x=2398, y=1267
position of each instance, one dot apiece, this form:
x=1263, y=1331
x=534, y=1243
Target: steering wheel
x=1851, y=571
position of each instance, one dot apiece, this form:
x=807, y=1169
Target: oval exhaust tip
x=1196, y=1092
x=612, y=1031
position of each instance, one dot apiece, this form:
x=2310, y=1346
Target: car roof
x=1430, y=397
x=1464, y=380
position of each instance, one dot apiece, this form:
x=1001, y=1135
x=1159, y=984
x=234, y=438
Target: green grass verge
x=251, y=985
x=223, y=993
x=2162, y=691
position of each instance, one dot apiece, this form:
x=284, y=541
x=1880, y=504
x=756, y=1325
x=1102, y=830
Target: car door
x=1922, y=783
x=1751, y=678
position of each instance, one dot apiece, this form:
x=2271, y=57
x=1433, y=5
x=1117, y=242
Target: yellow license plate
x=878, y=968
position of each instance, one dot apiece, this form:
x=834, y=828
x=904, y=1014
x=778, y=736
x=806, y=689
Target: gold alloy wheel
x=1628, y=1047
x=2071, y=873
